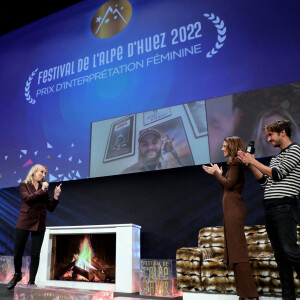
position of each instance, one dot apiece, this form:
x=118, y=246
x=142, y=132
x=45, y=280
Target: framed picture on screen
x=197, y=117
x=121, y=139
x=156, y=115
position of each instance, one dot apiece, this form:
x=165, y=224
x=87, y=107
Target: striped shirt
x=286, y=175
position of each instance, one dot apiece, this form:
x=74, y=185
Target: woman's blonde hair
x=32, y=171
x=234, y=144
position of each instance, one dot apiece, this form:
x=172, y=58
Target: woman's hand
x=45, y=185
x=214, y=168
x=57, y=191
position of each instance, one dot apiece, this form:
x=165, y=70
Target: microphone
x=45, y=180
x=250, y=148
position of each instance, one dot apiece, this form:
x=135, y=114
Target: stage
x=9, y=295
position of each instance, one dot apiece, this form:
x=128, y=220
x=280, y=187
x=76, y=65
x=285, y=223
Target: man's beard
x=150, y=160
x=275, y=144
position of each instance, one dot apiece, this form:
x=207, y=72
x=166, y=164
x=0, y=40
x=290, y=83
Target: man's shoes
x=17, y=277
x=30, y=282
x=255, y=298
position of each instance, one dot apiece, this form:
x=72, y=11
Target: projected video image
x=159, y=139
x=245, y=115
x=163, y=146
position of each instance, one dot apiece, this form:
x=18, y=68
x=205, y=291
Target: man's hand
x=257, y=168
x=246, y=158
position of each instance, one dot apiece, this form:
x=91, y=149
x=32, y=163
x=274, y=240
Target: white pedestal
x=127, y=257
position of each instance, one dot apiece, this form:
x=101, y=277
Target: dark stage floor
x=9, y=295
x=5, y=294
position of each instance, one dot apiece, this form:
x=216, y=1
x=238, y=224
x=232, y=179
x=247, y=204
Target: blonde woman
x=234, y=213
x=35, y=202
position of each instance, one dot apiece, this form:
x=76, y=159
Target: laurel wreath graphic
x=27, y=88
x=219, y=24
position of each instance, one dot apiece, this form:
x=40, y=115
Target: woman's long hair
x=32, y=171
x=234, y=144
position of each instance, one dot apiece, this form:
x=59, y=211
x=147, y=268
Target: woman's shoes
x=17, y=277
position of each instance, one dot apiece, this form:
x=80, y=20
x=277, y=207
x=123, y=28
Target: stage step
x=35, y=292
x=215, y=296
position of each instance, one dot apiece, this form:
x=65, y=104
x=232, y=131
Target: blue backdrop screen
x=99, y=60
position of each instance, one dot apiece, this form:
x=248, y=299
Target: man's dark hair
x=278, y=126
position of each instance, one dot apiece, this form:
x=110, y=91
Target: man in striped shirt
x=281, y=181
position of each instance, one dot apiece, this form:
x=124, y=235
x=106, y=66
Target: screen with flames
x=84, y=257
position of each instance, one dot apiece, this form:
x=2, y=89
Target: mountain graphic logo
x=111, y=18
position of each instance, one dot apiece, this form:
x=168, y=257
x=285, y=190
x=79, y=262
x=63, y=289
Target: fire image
x=85, y=264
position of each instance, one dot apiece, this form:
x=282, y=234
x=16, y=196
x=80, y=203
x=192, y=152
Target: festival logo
x=111, y=18
x=149, y=51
